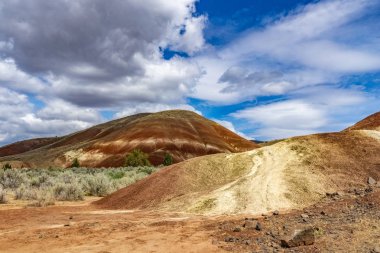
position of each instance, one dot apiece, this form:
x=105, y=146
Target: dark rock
x=230, y=239
x=237, y=229
x=259, y=226
x=371, y=181
x=299, y=238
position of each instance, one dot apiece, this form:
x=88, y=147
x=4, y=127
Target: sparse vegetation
x=168, y=160
x=45, y=186
x=3, y=196
x=137, y=158
x=205, y=205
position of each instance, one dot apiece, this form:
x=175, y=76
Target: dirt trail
x=269, y=185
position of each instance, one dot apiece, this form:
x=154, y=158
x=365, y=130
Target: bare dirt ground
x=347, y=222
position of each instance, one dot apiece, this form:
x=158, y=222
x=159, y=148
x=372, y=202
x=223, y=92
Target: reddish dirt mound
x=200, y=174
x=25, y=146
x=216, y=184
x=370, y=123
x=182, y=134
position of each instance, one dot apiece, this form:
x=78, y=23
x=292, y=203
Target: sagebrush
x=44, y=186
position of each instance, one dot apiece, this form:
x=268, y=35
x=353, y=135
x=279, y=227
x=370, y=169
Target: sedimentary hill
x=25, y=146
x=292, y=173
x=370, y=123
x=182, y=134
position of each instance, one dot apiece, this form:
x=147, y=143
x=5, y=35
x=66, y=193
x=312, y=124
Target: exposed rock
x=371, y=181
x=259, y=226
x=299, y=237
x=304, y=216
x=276, y=212
x=250, y=224
x=237, y=229
x=230, y=239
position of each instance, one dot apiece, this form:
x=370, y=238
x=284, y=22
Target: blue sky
x=264, y=69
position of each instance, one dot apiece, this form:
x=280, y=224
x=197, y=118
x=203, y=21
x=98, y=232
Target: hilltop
x=182, y=134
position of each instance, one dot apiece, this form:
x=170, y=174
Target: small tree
x=7, y=166
x=75, y=163
x=137, y=158
x=168, y=160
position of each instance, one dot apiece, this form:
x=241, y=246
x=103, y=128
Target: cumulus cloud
x=20, y=119
x=81, y=57
x=12, y=77
x=310, y=110
x=96, y=53
x=315, y=44
x=94, y=35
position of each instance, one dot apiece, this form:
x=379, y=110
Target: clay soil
x=348, y=222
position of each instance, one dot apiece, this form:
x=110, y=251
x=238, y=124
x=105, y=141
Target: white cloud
x=19, y=119
x=13, y=78
x=316, y=44
x=293, y=114
x=310, y=110
x=94, y=56
x=192, y=40
x=113, y=58
x=164, y=82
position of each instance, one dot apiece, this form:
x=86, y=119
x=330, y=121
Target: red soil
x=370, y=123
x=25, y=146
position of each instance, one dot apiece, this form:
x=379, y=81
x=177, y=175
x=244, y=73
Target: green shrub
x=75, y=163
x=116, y=174
x=7, y=166
x=137, y=158
x=168, y=160
x=145, y=170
